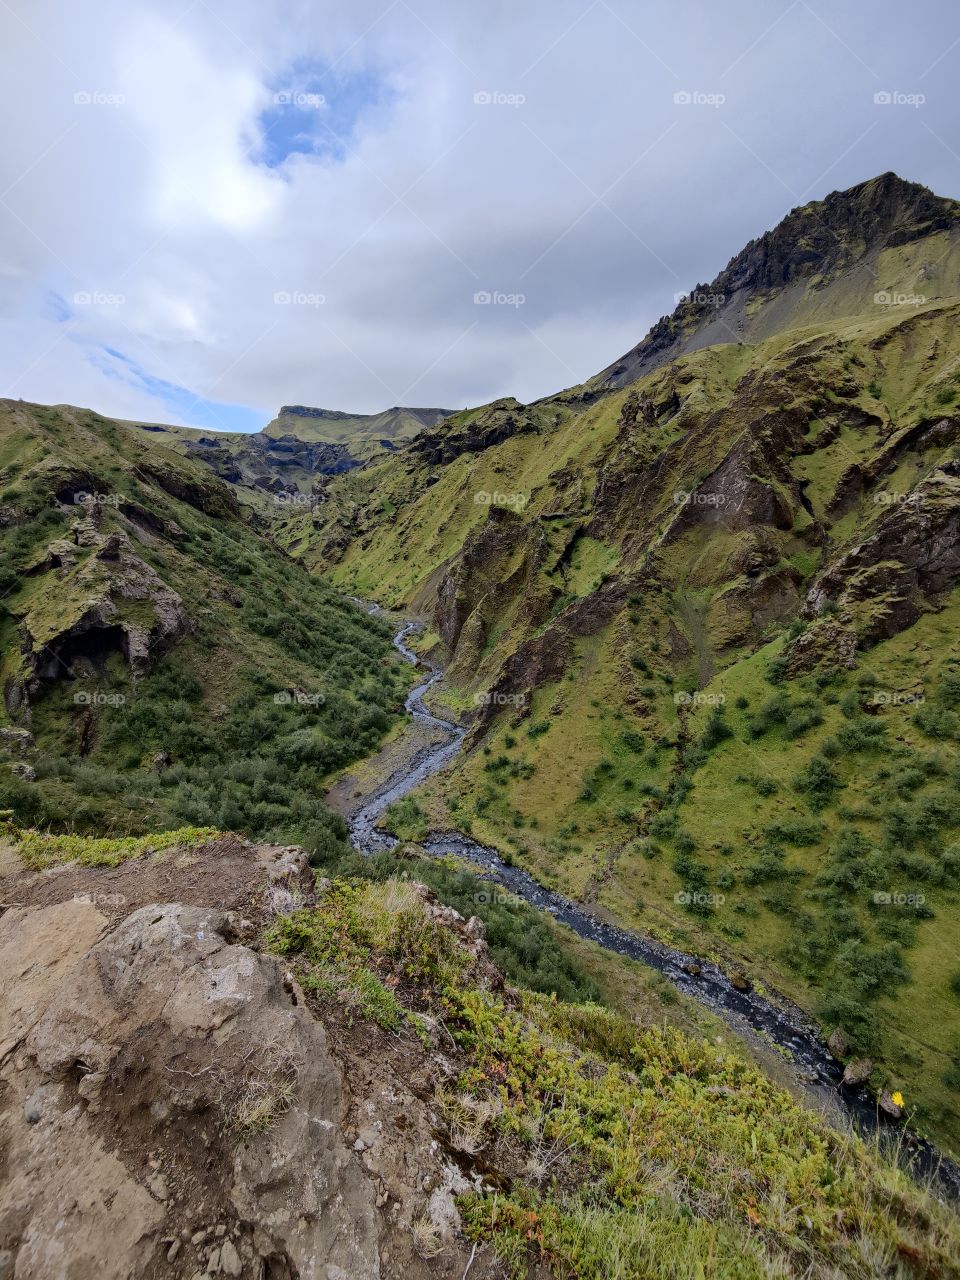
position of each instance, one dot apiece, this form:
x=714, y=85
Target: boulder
x=857, y=1070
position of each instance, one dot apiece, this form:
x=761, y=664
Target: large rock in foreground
x=165, y=1096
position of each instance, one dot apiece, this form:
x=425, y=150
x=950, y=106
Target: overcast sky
x=213, y=207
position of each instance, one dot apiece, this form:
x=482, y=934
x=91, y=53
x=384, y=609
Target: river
x=776, y=1020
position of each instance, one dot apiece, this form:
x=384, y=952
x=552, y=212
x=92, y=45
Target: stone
x=837, y=1044
x=857, y=1070
x=230, y=1263
x=887, y=1105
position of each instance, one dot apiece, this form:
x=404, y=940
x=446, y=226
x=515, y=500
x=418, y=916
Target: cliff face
x=797, y=270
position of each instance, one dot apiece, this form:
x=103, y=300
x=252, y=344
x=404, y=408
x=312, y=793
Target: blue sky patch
x=316, y=110
x=174, y=400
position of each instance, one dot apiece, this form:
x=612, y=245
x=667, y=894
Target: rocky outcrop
x=491, y=425
x=880, y=586
x=108, y=600
x=814, y=244
x=172, y=1105
x=119, y=1044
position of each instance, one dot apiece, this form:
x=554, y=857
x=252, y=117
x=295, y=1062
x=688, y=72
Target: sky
x=209, y=208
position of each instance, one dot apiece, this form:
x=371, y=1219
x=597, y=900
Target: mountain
x=825, y=261
x=702, y=615
x=699, y=621
x=291, y=458
x=161, y=661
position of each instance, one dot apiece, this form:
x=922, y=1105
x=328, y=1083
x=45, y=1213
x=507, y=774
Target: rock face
x=108, y=601
x=173, y=1105
x=813, y=245
x=119, y=1045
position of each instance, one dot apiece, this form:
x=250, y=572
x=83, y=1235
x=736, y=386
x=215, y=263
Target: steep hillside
x=161, y=662
x=885, y=240
x=705, y=629
x=261, y=1075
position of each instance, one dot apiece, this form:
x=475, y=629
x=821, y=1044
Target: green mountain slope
x=291, y=459
x=163, y=663
x=705, y=627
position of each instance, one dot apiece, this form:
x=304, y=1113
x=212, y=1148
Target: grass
x=39, y=850
x=644, y=1147
x=278, y=683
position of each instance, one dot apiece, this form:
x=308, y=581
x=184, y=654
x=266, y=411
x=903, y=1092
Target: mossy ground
x=643, y=1150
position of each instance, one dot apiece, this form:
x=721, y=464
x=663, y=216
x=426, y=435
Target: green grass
x=39, y=850
x=644, y=1150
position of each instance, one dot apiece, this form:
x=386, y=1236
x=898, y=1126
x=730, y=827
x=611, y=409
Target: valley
x=590, y=758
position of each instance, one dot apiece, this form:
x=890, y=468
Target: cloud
x=538, y=150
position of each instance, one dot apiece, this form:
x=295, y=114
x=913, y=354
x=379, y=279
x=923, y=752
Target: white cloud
x=597, y=197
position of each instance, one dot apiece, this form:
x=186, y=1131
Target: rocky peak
x=813, y=246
